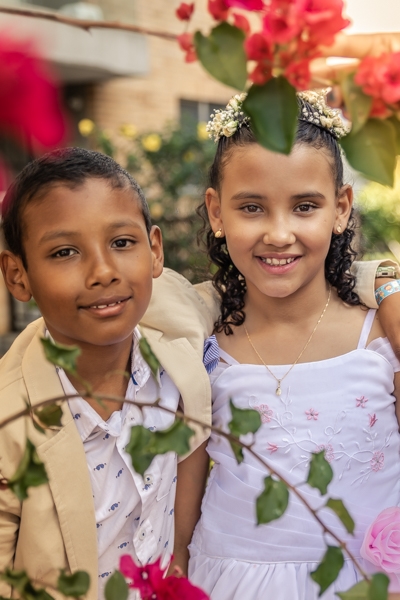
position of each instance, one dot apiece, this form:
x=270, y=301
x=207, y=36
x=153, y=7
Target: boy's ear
x=15, y=276
x=157, y=250
x=213, y=206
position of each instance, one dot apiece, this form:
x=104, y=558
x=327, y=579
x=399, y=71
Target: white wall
x=373, y=15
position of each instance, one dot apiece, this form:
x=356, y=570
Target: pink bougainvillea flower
x=184, y=11
x=260, y=74
x=152, y=585
x=30, y=106
x=185, y=41
x=282, y=22
x=241, y=22
x=379, y=77
x=298, y=74
x=323, y=18
x=218, y=9
x=245, y=4
x=257, y=47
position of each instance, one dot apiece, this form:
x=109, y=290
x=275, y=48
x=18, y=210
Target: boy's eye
x=64, y=252
x=122, y=243
x=305, y=207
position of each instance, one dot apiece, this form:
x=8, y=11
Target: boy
x=80, y=242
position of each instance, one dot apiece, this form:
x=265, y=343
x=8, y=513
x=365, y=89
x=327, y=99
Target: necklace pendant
x=278, y=390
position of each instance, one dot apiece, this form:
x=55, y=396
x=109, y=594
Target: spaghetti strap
x=366, y=328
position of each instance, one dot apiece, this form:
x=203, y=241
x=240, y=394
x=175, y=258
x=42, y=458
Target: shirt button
x=148, y=479
x=142, y=535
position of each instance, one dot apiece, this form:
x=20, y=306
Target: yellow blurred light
x=156, y=210
x=152, y=142
x=128, y=130
x=189, y=156
x=202, y=133
x=86, y=127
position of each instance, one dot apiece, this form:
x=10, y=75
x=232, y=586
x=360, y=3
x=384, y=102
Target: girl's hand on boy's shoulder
x=389, y=317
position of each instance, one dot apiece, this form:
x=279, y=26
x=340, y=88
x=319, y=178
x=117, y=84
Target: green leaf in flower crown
x=116, y=587
x=339, y=508
x=74, y=585
x=222, y=54
x=357, y=592
x=378, y=589
x=50, y=415
x=320, y=473
x=149, y=356
x=372, y=150
x=396, y=124
x=30, y=473
x=144, y=445
x=60, y=355
x=328, y=569
x=243, y=420
x=272, y=502
x=357, y=103
x=273, y=111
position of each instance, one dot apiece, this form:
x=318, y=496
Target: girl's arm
x=192, y=476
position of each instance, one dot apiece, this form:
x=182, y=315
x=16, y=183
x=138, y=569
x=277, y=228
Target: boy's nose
x=101, y=271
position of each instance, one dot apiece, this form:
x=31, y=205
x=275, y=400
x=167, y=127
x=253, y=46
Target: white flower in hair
x=227, y=122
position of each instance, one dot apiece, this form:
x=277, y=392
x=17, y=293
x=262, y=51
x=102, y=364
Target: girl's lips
x=279, y=269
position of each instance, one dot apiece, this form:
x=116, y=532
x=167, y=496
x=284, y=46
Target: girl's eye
x=122, y=243
x=251, y=208
x=64, y=253
x=305, y=207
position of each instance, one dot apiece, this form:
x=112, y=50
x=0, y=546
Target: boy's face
x=90, y=262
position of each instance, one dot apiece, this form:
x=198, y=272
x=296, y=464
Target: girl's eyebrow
x=248, y=195
x=308, y=195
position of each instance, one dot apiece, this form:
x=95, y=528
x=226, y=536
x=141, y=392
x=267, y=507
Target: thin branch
x=85, y=23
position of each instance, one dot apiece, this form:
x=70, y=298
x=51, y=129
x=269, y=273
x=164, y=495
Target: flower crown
x=313, y=109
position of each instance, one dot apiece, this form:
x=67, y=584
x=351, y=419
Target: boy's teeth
x=277, y=261
x=105, y=305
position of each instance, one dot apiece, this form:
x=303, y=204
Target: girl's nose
x=279, y=234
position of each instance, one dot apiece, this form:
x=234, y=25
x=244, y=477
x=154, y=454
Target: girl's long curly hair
x=227, y=280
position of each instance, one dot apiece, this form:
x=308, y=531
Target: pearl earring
x=339, y=228
x=218, y=234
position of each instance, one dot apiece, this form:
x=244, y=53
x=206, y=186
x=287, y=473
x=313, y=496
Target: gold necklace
x=278, y=390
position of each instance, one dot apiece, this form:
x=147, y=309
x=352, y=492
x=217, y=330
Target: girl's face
x=278, y=213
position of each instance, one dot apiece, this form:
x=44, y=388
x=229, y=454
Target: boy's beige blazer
x=55, y=527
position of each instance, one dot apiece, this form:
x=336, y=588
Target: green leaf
x=339, y=508
x=328, y=569
x=243, y=420
x=357, y=592
x=272, y=502
x=20, y=581
x=30, y=473
x=396, y=124
x=237, y=451
x=372, y=151
x=273, y=111
x=144, y=445
x=320, y=473
x=357, y=103
x=50, y=415
x=222, y=54
x=60, y=355
x=149, y=356
x=116, y=587
x=379, y=587
x=74, y=585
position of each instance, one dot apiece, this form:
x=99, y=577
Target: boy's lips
x=107, y=307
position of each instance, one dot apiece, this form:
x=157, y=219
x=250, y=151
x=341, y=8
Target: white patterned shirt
x=134, y=515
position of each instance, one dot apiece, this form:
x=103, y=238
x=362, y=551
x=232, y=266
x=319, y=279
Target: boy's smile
x=90, y=261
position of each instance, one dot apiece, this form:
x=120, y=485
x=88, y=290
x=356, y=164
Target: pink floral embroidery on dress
x=265, y=412
x=377, y=460
x=372, y=420
x=312, y=414
x=329, y=455
x=361, y=401
x=272, y=447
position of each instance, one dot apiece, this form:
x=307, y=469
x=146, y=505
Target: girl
x=279, y=230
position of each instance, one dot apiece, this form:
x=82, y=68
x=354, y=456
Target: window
x=193, y=112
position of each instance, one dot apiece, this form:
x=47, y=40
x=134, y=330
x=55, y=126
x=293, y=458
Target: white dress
x=343, y=405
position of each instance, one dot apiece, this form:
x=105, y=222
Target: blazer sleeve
x=365, y=272
x=10, y=510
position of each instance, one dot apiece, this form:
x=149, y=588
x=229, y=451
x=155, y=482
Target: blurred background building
x=132, y=96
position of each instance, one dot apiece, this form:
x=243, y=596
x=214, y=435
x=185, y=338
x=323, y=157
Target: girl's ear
x=15, y=276
x=213, y=205
x=156, y=250
x=343, y=208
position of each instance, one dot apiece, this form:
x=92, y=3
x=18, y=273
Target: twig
x=86, y=24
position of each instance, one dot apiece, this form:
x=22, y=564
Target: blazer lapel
x=64, y=457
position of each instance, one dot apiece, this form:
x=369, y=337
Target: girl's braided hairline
x=227, y=280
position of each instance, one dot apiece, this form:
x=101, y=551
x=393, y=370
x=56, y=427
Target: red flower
x=261, y=74
x=298, y=74
x=323, y=19
x=379, y=77
x=241, y=22
x=185, y=41
x=218, y=9
x=282, y=23
x=30, y=107
x=245, y=4
x=152, y=585
x=258, y=47
x=185, y=11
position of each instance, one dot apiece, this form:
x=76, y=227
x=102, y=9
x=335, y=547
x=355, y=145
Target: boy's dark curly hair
x=227, y=280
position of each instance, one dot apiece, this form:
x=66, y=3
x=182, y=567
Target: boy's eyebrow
x=62, y=233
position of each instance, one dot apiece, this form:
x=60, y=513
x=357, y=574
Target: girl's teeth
x=277, y=261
